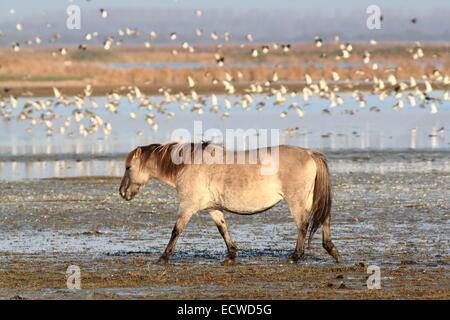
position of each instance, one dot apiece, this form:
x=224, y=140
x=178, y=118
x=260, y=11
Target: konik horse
x=238, y=185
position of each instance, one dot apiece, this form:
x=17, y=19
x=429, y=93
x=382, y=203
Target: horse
x=238, y=185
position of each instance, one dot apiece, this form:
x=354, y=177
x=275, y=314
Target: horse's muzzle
x=126, y=194
x=128, y=197
x=123, y=194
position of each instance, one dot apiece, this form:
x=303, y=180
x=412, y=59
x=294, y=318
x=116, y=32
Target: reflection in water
x=18, y=170
x=376, y=167
x=59, y=145
x=342, y=162
x=413, y=138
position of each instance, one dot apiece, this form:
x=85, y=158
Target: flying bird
x=103, y=13
x=318, y=41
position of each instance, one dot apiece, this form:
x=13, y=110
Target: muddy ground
x=396, y=220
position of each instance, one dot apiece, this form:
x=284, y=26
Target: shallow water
x=193, y=65
x=24, y=167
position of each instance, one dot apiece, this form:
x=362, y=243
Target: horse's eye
x=127, y=168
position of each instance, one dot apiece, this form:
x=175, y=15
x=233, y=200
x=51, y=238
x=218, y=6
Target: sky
x=29, y=7
x=268, y=20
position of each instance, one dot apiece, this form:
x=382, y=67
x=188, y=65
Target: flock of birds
x=85, y=117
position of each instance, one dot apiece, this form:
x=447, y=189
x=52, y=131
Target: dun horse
x=301, y=179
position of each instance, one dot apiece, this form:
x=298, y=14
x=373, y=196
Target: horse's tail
x=321, y=207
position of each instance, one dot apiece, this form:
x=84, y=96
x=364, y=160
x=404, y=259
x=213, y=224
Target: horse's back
x=296, y=163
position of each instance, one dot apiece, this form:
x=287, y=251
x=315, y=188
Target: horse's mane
x=162, y=154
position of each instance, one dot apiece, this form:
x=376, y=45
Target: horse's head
x=137, y=172
x=152, y=161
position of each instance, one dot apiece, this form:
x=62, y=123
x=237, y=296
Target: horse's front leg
x=184, y=215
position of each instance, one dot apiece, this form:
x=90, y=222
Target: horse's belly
x=246, y=204
x=246, y=191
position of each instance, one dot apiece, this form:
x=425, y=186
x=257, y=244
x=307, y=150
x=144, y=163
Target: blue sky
x=268, y=20
x=26, y=8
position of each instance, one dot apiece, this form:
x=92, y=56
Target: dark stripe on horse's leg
x=171, y=245
x=181, y=223
x=300, y=245
x=326, y=240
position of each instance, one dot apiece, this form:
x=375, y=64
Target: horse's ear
x=137, y=153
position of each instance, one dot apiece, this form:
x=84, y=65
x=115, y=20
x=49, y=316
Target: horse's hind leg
x=299, y=214
x=326, y=239
x=219, y=219
x=183, y=218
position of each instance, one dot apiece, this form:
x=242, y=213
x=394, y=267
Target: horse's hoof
x=228, y=262
x=294, y=259
x=335, y=254
x=162, y=261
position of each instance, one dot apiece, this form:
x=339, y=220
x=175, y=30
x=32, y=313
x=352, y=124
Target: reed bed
x=88, y=66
